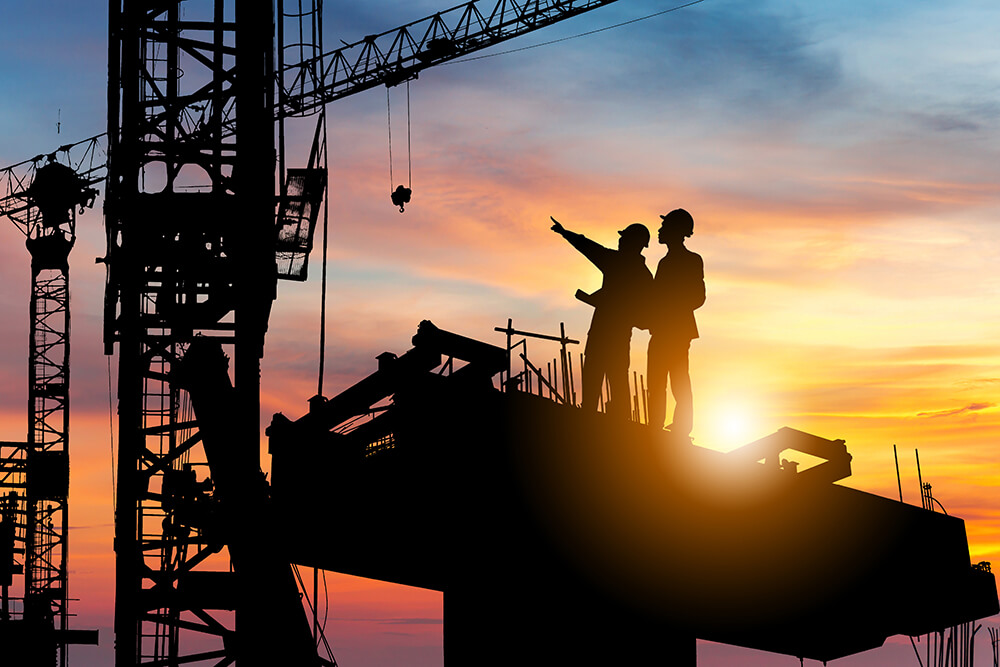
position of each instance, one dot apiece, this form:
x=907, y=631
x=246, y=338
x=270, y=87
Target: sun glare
x=729, y=426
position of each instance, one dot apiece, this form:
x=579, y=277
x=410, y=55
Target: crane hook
x=400, y=196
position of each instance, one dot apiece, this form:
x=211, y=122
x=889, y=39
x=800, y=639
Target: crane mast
x=34, y=475
x=190, y=225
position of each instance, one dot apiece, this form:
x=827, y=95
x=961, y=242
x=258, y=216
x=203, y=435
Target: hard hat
x=638, y=231
x=682, y=219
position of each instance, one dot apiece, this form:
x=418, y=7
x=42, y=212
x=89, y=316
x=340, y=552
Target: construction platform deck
x=560, y=535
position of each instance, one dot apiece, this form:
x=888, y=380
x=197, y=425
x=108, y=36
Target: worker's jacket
x=619, y=304
x=678, y=290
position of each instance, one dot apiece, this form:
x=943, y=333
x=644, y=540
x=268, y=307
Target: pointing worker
x=616, y=305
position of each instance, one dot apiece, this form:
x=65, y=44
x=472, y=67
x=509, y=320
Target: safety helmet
x=637, y=231
x=681, y=219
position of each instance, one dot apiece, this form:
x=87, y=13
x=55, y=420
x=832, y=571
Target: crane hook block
x=400, y=196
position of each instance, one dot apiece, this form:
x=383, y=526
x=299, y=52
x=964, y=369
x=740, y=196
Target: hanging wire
x=111, y=431
x=326, y=604
x=401, y=194
x=321, y=632
x=409, y=153
x=310, y=604
x=326, y=235
x=388, y=114
x=409, y=158
x=315, y=606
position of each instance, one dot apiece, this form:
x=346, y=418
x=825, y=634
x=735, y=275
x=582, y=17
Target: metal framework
x=398, y=55
x=189, y=220
x=195, y=242
x=40, y=196
x=193, y=251
x=195, y=220
x=34, y=476
x=87, y=159
x=47, y=489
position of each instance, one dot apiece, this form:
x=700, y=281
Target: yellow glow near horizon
x=729, y=424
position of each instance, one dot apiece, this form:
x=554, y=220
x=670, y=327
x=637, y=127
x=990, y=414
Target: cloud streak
x=972, y=407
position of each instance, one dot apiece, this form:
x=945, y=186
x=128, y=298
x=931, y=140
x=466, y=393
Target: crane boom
x=398, y=55
x=388, y=58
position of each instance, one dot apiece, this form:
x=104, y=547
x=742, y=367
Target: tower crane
x=41, y=198
x=200, y=224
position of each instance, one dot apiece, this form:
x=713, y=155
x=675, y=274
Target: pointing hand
x=556, y=226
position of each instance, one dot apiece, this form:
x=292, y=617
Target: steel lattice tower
x=198, y=234
x=190, y=224
x=34, y=475
x=47, y=455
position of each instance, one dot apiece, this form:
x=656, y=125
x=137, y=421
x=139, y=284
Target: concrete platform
x=559, y=535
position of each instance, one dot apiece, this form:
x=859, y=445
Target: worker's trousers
x=667, y=358
x=607, y=358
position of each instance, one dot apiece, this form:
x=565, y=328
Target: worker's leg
x=656, y=379
x=680, y=387
x=592, y=375
x=620, y=402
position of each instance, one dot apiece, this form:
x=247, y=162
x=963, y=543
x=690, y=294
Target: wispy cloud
x=972, y=407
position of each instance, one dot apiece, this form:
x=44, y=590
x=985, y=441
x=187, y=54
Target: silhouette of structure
x=571, y=536
x=953, y=646
x=42, y=197
x=626, y=282
x=678, y=290
x=200, y=225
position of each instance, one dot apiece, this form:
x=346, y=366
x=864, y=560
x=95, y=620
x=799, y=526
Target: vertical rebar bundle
x=954, y=646
x=559, y=379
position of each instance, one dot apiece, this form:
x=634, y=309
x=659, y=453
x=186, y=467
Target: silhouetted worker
x=616, y=308
x=678, y=289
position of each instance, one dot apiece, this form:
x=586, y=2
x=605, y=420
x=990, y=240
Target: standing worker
x=678, y=290
x=616, y=309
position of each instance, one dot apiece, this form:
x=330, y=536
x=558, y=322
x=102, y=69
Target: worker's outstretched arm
x=592, y=250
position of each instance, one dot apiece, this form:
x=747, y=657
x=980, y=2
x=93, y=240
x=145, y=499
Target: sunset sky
x=842, y=164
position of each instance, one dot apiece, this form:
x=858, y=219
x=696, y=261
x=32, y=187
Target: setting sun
x=726, y=426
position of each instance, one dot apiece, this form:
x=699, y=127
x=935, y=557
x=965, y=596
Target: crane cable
x=582, y=34
x=401, y=195
x=111, y=433
x=326, y=236
x=312, y=607
x=319, y=631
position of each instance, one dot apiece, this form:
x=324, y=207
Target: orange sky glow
x=845, y=189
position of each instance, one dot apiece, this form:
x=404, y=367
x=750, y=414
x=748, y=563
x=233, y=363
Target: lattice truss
x=168, y=280
x=48, y=440
x=87, y=158
x=40, y=197
x=399, y=54
x=177, y=264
